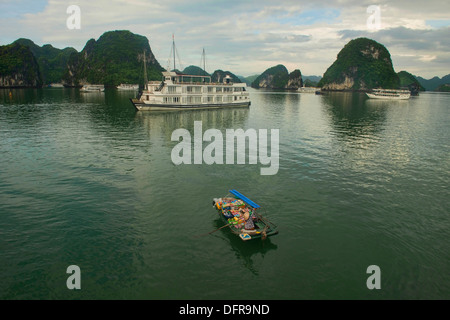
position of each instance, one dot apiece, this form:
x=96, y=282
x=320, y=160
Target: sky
x=247, y=36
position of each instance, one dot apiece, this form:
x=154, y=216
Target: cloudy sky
x=247, y=36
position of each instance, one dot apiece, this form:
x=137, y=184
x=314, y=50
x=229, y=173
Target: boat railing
x=390, y=90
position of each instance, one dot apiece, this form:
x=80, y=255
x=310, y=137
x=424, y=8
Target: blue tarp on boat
x=244, y=198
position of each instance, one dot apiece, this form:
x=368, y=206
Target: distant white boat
x=126, y=86
x=309, y=89
x=389, y=94
x=56, y=85
x=93, y=88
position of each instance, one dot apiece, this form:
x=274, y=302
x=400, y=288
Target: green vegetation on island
x=116, y=57
x=443, y=88
x=195, y=71
x=278, y=77
x=217, y=75
x=433, y=83
x=311, y=81
x=248, y=80
x=407, y=80
x=52, y=61
x=275, y=77
x=18, y=67
x=362, y=64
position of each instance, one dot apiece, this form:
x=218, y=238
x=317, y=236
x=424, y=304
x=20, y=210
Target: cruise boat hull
x=93, y=88
x=141, y=106
x=399, y=97
x=389, y=94
x=128, y=87
x=309, y=89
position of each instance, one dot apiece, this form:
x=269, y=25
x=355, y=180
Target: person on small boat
x=249, y=225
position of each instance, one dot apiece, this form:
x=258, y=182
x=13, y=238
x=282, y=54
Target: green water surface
x=86, y=180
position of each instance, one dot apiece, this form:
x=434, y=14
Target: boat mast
x=204, y=64
x=204, y=60
x=145, y=74
x=173, y=44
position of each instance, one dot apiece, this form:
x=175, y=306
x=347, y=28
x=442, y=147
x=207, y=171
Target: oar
x=205, y=234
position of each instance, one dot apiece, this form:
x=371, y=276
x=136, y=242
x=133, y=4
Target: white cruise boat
x=178, y=91
x=181, y=91
x=389, y=94
x=126, y=86
x=309, y=89
x=93, y=88
x=56, y=85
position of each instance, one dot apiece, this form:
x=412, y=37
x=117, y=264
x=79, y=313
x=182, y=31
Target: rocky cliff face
x=295, y=80
x=363, y=64
x=18, y=67
x=273, y=78
x=278, y=78
x=116, y=57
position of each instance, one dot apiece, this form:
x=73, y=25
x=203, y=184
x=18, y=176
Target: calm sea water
x=87, y=181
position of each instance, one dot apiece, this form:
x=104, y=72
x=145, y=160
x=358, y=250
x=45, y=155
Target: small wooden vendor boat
x=243, y=218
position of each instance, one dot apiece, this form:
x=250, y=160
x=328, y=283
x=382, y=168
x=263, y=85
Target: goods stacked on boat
x=241, y=216
x=235, y=211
